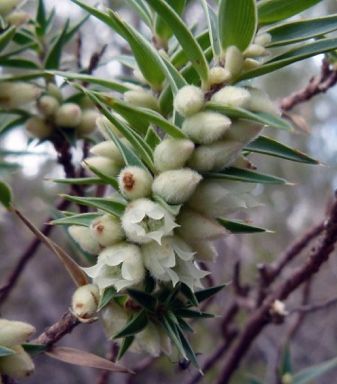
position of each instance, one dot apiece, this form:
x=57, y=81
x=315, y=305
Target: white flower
x=160, y=259
x=145, y=221
x=120, y=265
x=189, y=273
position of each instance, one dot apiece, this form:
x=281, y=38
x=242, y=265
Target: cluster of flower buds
x=56, y=114
x=12, y=334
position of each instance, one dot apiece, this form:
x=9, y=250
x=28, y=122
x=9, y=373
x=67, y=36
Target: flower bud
x=255, y=50
x=113, y=318
x=39, y=127
x=7, y=6
x=206, y=127
x=172, y=154
x=233, y=96
x=202, y=159
x=149, y=339
x=55, y=91
x=234, y=60
x=243, y=131
x=100, y=124
x=47, y=105
x=189, y=100
x=13, y=333
x=262, y=39
x=82, y=236
x=15, y=95
x=19, y=365
x=107, y=230
x=68, y=115
x=142, y=99
x=260, y=102
x=251, y=64
x=17, y=18
x=85, y=301
x=205, y=251
x=87, y=124
x=176, y=186
x=103, y=164
x=108, y=149
x=135, y=182
x=165, y=341
x=195, y=227
x=218, y=75
x=287, y=378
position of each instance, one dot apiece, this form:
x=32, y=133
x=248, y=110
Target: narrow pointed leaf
x=84, y=219
x=18, y=63
x=286, y=362
x=161, y=29
x=142, y=10
x=272, y=11
x=126, y=344
x=260, y=117
x=246, y=175
x=174, y=209
x=113, y=207
x=189, y=294
x=184, y=36
x=308, y=375
x=184, y=325
x=149, y=283
x=6, y=37
x=136, y=325
x=4, y=351
x=173, y=294
x=271, y=147
x=152, y=138
x=238, y=226
x=108, y=295
x=10, y=122
x=147, y=301
x=41, y=19
x=34, y=349
x=173, y=335
x=71, y=266
x=108, y=179
x=212, y=22
x=291, y=33
x=77, y=357
x=209, y=292
x=79, y=181
x=237, y=23
x=187, y=347
x=53, y=58
x=71, y=31
x=6, y=195
x=292, y=56
x=190, y=314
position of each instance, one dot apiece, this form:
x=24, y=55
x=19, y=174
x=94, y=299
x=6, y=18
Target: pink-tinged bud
x=47, y=105
x=189, y=100
x=13, y=333
x=55, y=91
x=17, y=18
x=206, y=127
x=195, y=227
x=87, y=124
x=85, y=301
x=100, y=124
x=251, y=64
x=234, y=60
x=7, y=6
x=68, y=115
x=107, y=230
x=142, y=99
x=39, y=127
x=205, y=251
x=15, y=95
x=262, y=39
x=202, y=159
x=255, y=50
x=103, y=164
x=243, y=131
x=260, y=102
x=82, y=236
x=172, y=154
x=176, y=186
x=233, y=96
x=135, y=183
x=218, y=75
x=19, y=365
x=108, y=149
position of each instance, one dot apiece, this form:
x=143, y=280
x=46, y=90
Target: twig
x=112, y=354
x=319, y=84
x=315, y=307
x=94, y=61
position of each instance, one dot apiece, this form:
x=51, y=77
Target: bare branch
x=111, y=356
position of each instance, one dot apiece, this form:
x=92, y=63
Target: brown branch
x=319, y=84
x=261, y=317
x=111, y=356
x=316, y=307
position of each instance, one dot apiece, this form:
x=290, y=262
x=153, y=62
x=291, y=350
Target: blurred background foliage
x=44, y=290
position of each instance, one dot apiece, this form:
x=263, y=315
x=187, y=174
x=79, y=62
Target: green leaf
x=184, y=325
x=237, y=20
x=291, y=56
x=184, y=36
x=149, y=283
x=174, y=209
x=12, y=121
x=136, y=325
x=34, y=349
x=190, y=314
x=53, y=58
x=71, y=31
x=147, y=301
x=113, y=207
x=291, y=33
x=108, y=295
x=307, y=375
x=6, y=37
x=5, y=194
x=271, y=147
x=108, y=179
x=187, y=347
x=4, y=351
x=286, y=362
x=126, y=344
x=260, y=117
x=18, y=63
x=172, y=334
x=79, y=181
x=41, y=19
x=208, y=292
x=173, y=294
x=152, y=138
x=189, y=294
x=272, y=11
x=238, y=226
x=142, y=10
x=176, y=81
x=84, y=219
x=213, y=33
x=246, y=175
